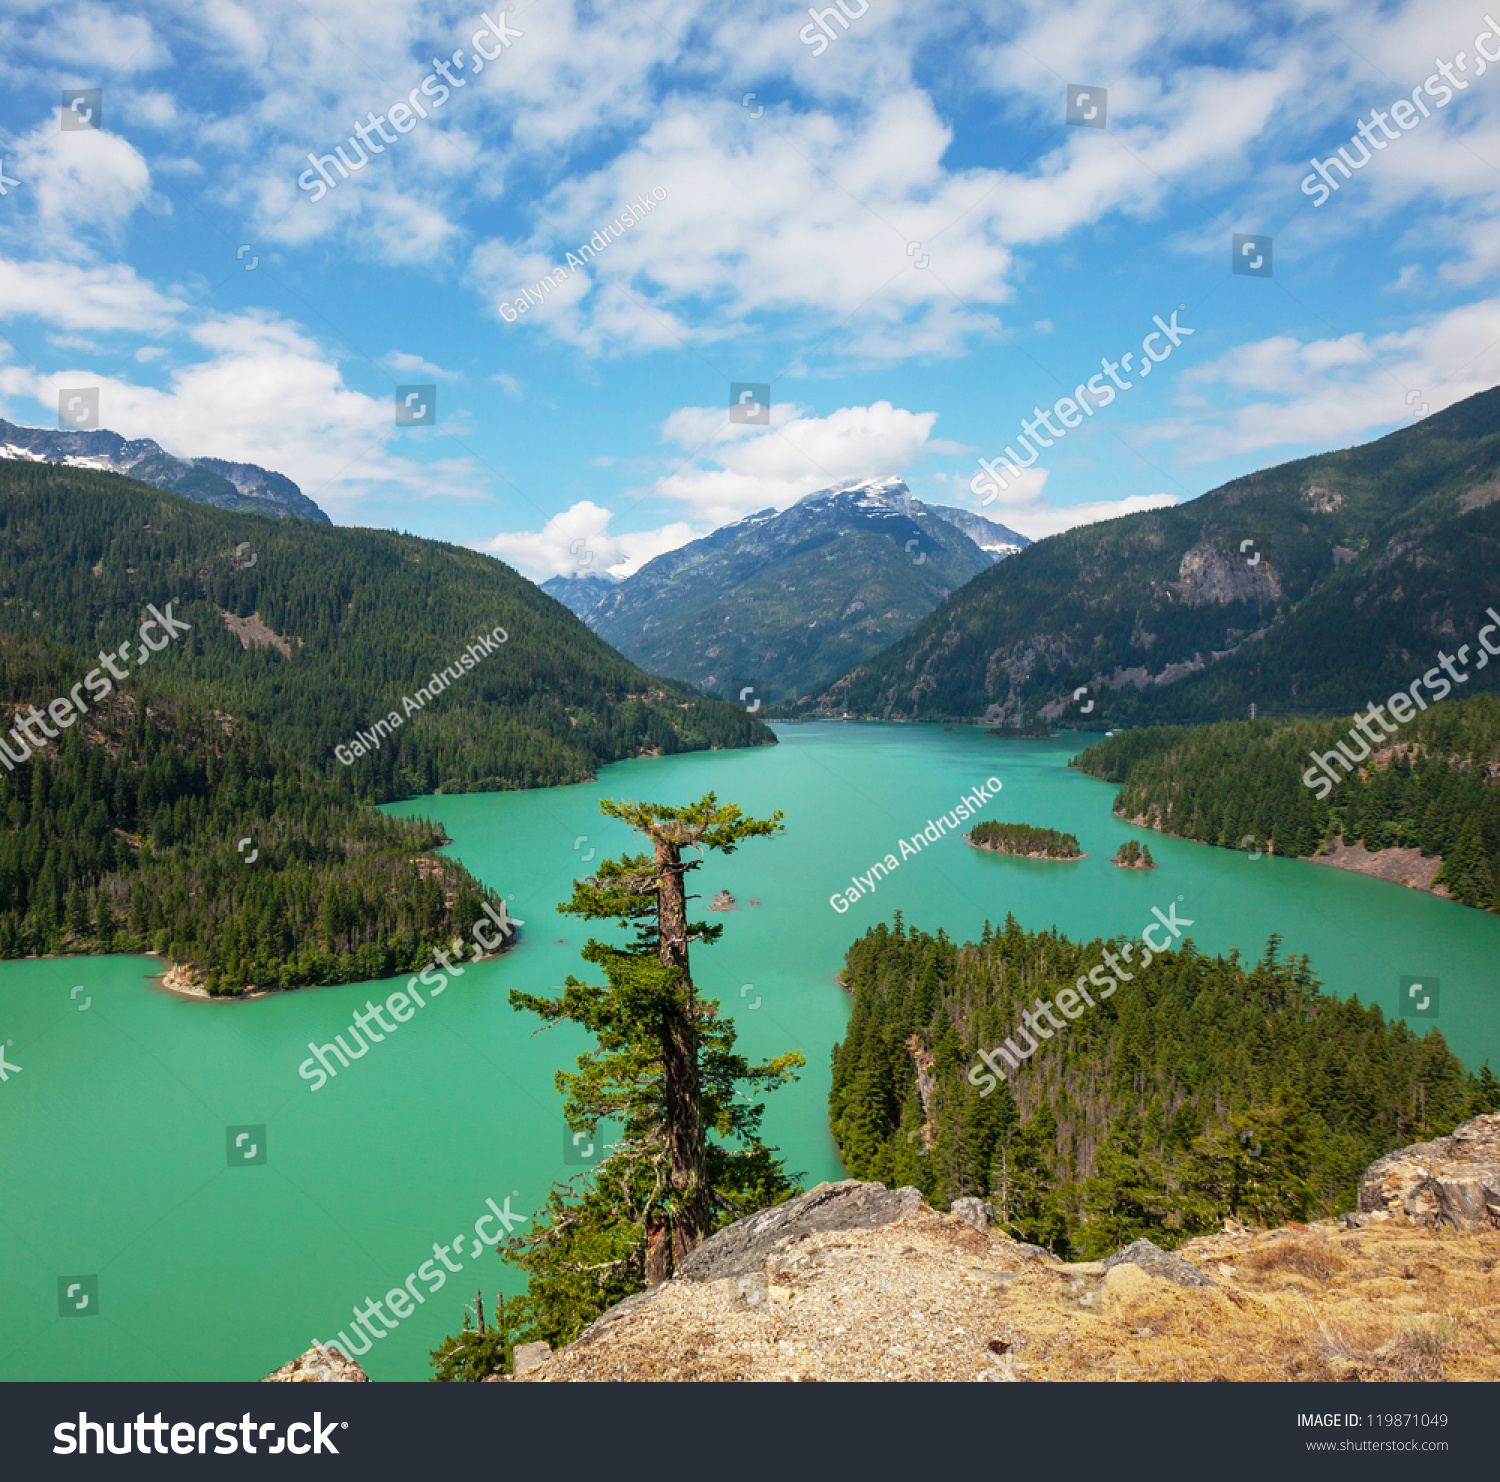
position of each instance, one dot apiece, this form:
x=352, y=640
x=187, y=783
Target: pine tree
x=664, y=1065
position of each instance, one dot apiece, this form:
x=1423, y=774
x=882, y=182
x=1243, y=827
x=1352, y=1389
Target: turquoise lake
x=124, y=1133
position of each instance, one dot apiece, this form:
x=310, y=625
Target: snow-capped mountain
x=784, y=602
x=245, y=487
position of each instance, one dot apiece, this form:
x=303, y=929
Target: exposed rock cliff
x=1453, y=1182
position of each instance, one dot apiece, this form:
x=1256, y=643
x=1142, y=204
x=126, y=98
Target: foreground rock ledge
x=853, y=1281
x=319, y=1365
x=1453, y=1181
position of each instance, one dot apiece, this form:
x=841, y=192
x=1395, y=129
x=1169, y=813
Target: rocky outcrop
x=319, y=1365
x=1453, y=1181
x=849, y=1204
x=1154, y=1261
x=529, y=1356
x=1208, y=576
x=857, y=1282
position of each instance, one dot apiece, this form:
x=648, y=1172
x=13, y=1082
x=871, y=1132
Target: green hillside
x=350, y=624
x=1308, y=588
x=123, y=835
x=1199, y=1089
x=1431, y=786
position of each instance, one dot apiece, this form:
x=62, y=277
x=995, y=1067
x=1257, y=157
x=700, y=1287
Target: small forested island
x=1024, y=840
x=1131, y=855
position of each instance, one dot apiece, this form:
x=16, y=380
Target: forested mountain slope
x=1307, y=588
x=1200, y=1089
x=1434, y=785
x=333, y=630
x=783, y=603
x=124, y=834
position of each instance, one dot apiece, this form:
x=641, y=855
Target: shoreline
x=171, y=981
x=1408, y=868
x=1405, y=867
x=1016, y=853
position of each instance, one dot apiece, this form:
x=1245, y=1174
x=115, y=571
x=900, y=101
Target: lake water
x=124, y=1135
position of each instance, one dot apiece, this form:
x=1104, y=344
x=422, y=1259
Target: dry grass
x=930, y=1299
x=1314, y=1256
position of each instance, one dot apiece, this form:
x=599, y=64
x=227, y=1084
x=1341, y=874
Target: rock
x=1452, y=1181
x=319, y=1365
x=1039, y=1251
x=529, y=1356
x=974, y=1212
x=1154, y=1261
x=741, y=1249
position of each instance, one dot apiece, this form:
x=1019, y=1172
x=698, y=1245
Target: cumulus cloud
x=75, y=297
x=735, y=468
x=1024, y=507
x=1332, y=392
x=578, y=542
x=82, y=185
x=262, y=391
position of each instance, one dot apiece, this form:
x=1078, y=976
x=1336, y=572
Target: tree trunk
x=683, y=1111
x=658, y=1267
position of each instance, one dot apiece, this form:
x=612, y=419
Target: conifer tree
x=663, y=1065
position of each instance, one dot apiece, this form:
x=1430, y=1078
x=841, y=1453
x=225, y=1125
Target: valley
x=117, y=1117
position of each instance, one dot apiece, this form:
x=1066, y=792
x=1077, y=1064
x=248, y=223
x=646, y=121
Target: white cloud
x=578, y=541
x=97, y=299
x=1332, y=392
x=85, y=184
x=267, y=393
x=735, y=468
x=405, y=364
x=1023, y=505
x=93, y=41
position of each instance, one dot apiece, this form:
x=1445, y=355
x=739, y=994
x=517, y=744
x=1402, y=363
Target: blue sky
x=899, y=233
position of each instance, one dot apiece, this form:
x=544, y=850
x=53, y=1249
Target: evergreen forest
x=1023, y=839
x=1238, y=785
x=125, y=835
x=1204, y=1089
x=352, y=622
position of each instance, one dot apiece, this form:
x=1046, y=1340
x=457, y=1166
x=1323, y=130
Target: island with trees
x=1132, y=855
x=1024, y=840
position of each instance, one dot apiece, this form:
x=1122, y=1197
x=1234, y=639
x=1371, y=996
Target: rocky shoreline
x=1020, y=854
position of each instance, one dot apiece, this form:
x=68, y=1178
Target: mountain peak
x=889, y=490
x=243, y=487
